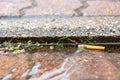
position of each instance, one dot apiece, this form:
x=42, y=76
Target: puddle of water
x=34, y=69
x=56, y=74
x=7, y=77
x=25, y=74
x=59, y=61
x=13, y=70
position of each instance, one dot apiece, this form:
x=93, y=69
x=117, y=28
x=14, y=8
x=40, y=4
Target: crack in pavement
x=33, y=4
x=79, y=10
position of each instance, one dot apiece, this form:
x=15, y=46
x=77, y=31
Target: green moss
x=51, y=47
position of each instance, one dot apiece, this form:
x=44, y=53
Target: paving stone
x=54, y=7
x=47, y=64
x=13, y=7
x=102, y=7
x=60, y=26
x=89, y=65
x=14, y=65
x=94, y=66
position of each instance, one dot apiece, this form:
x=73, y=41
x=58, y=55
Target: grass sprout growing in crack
x=31, y=46
x=63, y=38
x=67, y=38
x=55, y=46
x=10, y=46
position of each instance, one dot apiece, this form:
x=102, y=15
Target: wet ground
x=60, y=64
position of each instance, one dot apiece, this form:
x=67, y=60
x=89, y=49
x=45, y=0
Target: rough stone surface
x=115, y=59
x=92, y=65
x=13, y=7
x=53, y=26
x=49, y=65
x=102, y=7
x=10, y=8
x=89, y=65
x=14, y=65
x=54, y=7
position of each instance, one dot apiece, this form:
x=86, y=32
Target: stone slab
x=54, y=7
x=102, y=7
x=59, y=26
x=13, y=7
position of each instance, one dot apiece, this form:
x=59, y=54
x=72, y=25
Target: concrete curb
x=60, y=26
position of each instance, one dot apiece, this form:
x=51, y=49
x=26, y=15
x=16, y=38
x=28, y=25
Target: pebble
x=25, y=74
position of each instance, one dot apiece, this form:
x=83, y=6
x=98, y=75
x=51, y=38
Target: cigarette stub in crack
x=92, y=47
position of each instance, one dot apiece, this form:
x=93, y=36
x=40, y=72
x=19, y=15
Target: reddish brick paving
x=93, y=66
x=13, y=7
x=54, y=7
x=102, y=8
x=15, y=65
x=88, y=65
x=59, y=7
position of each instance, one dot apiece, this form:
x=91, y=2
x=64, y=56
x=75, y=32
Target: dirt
x=60, y=64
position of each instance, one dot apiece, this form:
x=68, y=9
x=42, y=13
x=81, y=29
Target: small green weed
x=63, y=38
x=118, y=73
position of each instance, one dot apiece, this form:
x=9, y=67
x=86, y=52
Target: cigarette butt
x=81, y=46
x=94, y=47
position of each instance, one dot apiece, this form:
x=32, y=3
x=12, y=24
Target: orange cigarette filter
x=94, y=47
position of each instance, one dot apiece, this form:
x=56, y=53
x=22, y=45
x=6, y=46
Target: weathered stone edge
x=60, y=26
